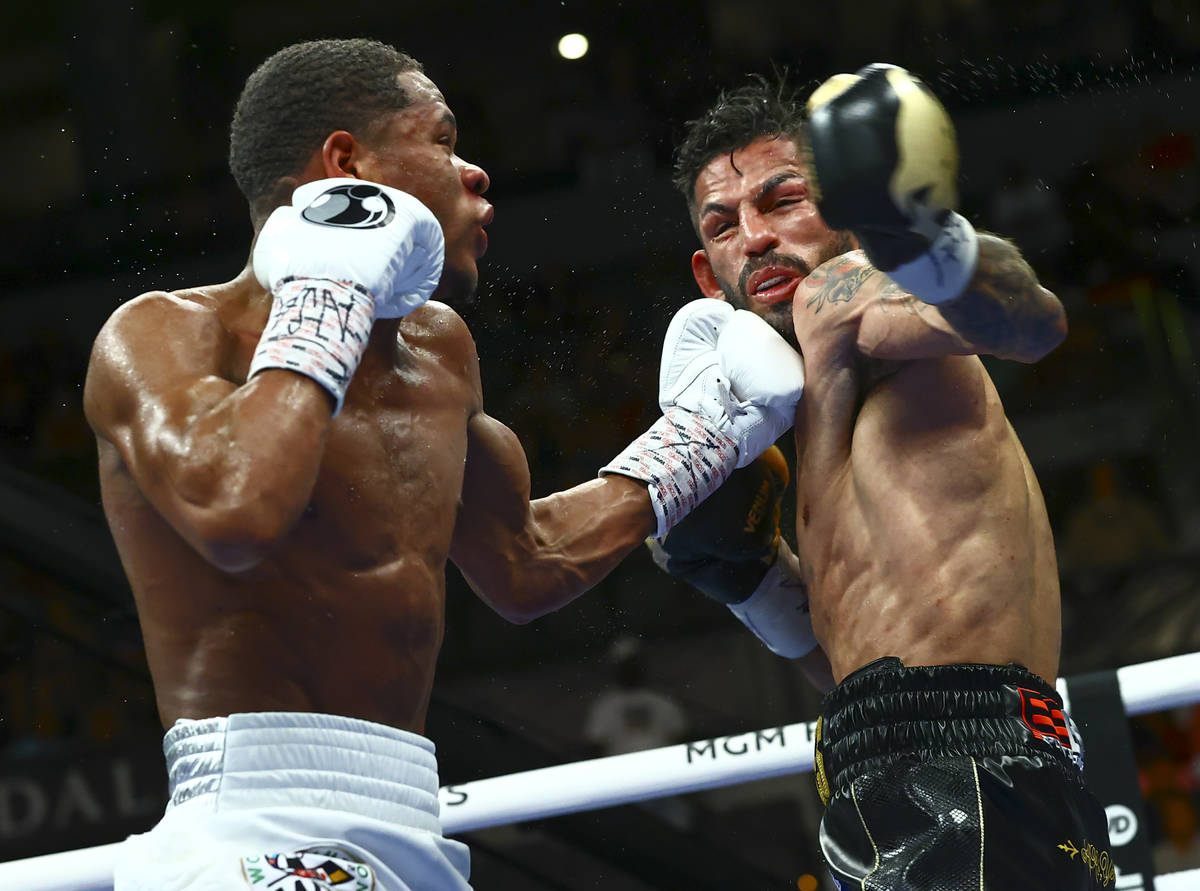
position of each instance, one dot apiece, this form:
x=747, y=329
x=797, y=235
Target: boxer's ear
x=702, y=272
x=340, y=154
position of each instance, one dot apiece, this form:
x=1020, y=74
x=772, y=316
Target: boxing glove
x=724, y=547
x=883, y=163
x=730, y=549
x=728, y=387
x=344, y=253
x=735, y=370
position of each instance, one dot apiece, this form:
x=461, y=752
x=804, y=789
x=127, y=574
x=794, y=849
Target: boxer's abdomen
x=927, y=539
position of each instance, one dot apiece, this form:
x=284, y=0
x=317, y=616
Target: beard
x=777, y=315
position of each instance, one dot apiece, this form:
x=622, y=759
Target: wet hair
x=300, y=95
x=760, y=108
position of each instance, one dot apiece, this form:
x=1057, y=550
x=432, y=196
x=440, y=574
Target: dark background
x=1078, y=126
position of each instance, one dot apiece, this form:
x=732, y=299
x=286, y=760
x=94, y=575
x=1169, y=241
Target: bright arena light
x=572, y=46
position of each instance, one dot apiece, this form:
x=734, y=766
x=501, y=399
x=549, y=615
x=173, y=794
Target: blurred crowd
x=1167, y=748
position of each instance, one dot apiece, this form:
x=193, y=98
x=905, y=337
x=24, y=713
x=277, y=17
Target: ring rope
x=623, y=779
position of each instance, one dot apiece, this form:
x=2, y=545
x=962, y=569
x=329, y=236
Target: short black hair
x=303, y=93
x=759, y=108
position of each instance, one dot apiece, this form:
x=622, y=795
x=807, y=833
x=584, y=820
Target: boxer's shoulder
x=838, y=286
x=438, y=328
x=158, y=317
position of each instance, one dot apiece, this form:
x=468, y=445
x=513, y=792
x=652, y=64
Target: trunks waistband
x=302, y=759
x=886, y=710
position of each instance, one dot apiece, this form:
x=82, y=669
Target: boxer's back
x=345, y=613
x=919, y=517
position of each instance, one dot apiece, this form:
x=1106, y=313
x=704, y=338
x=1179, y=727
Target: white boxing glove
x=734, y=369
x=383, y=240
x=777, y=611
x=728, y=387
x=766, y=376
x=345, y=252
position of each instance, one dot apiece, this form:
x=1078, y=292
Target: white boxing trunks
x=295, y=801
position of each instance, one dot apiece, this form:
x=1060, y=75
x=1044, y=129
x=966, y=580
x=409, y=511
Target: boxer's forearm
x=570, y=541
x=581, y=536
x=242, y=473
x=229, y=467
x=1004, y=311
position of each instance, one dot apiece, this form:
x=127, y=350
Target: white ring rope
x=637, y=776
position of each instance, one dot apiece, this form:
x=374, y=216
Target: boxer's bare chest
x=391, y=473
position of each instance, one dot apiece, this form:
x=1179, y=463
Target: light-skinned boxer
x=925, y=567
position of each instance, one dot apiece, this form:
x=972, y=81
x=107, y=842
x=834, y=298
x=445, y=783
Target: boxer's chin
x=457, y=286
x=777, y=315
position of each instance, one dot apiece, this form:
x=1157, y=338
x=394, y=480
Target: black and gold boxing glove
x=883, y=163
x=730, y=549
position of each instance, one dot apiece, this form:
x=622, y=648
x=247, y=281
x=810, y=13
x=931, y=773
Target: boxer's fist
x=378, y=238
x=733, y=369
x=884, y=159
x=728, y=388
x=724, y=547
x=884, y=164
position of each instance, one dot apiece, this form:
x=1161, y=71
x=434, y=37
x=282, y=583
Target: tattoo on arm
x=1004, y=310
x=891, y=294
x=837, y=285
x=840, y=284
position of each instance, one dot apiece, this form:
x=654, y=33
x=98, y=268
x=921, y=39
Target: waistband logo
x=1044, y=717
x=310, y=870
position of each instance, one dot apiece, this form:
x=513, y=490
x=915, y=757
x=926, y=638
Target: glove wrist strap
x=683, y=457
x=942, y=272
x=318, y=327
x=777, y=611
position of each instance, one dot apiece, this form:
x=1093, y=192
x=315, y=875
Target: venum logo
x=352, y=206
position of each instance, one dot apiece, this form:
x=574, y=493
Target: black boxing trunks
x=955, y=778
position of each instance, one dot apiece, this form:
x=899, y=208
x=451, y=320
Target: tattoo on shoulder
x=891, y=294
x=838, y=284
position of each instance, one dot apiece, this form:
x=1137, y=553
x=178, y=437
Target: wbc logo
x=352, y=206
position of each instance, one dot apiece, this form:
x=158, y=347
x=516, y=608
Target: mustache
x=770, y=259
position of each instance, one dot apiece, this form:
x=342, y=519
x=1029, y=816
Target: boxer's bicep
x=890, y=323
x=229, y=467
x=494, y=512
x=895, y=325
x=528, y=558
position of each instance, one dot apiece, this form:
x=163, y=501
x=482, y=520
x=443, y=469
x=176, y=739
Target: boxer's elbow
x=522, y=574
x=233, y=520
x=235, y=544
x=232, y=557
x=235, y=537
x=523, y=599
x=511, y=603
x=1056, y=328
x=1044, y=333
x=534, y=590
x=499, y=583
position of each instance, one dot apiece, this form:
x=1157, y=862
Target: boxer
x=288, y=460
x=925, y=569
